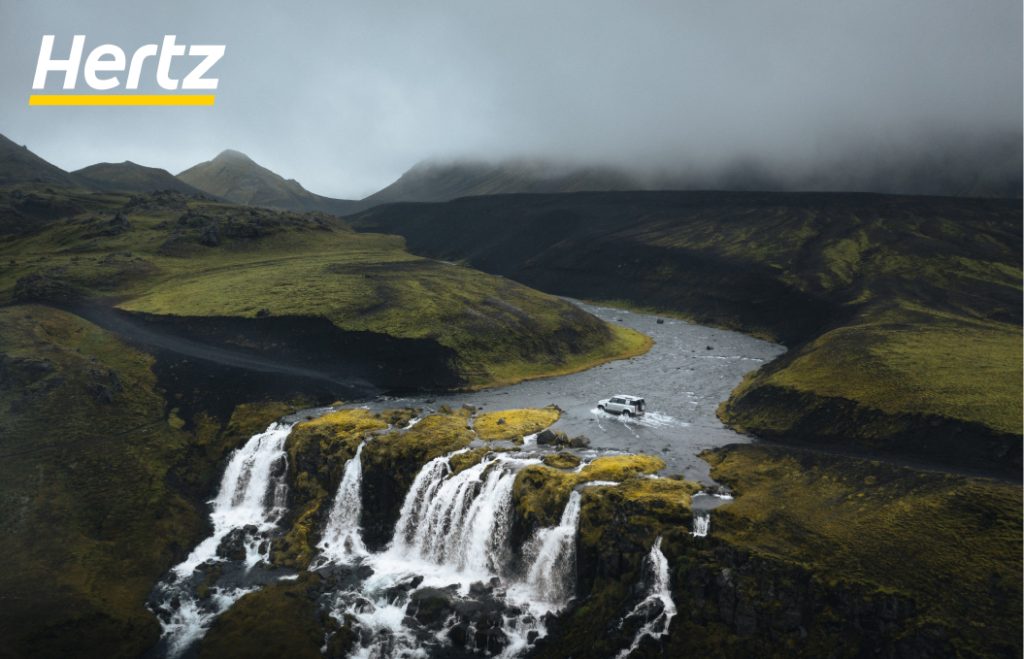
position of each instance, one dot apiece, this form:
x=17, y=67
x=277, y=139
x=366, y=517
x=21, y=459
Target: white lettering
x=96, y=63
x=69, y=66
x=211, y=55
x=163, y=69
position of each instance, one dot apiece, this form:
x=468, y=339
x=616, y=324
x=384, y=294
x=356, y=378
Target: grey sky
x=344, y=96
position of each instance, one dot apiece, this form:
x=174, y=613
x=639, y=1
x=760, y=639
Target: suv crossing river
x=623, y=404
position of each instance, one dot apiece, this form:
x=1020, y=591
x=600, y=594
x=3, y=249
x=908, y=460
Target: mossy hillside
x=90, y=455
x=280, y=620
x=318, y=450
x=514, y=424
x=173, y=255
x=950, y=544
x=937, y=366
x=900, y=306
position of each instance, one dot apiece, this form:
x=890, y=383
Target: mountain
x=130, y=177
x=237, y=178
x=440, y=181
x=19, y=165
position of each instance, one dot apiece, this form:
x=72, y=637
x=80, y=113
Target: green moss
x=561, y=460
x=942, y=368
x=317, y=452
x=950, y=543
x=432, y=437
x=514, y=424
x=541, y=492
x=464, y=461
x=279, y=620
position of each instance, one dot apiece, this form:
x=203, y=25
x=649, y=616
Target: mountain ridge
x=234, y=176
x=19, y=165
x=129, y=176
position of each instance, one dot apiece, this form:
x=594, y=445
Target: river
x=684, y=377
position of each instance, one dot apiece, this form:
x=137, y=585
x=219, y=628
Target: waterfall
x=460, y=521
x=701, y=525
x=657, y=609
x=552, y=574
x=343, y=539
x=250, y=501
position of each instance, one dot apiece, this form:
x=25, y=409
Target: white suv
x=622, y=404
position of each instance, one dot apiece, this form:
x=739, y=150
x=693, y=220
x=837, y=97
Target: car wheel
x=601, y=407
x=626, y=413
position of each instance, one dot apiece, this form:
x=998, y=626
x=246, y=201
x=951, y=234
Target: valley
x=279, y=430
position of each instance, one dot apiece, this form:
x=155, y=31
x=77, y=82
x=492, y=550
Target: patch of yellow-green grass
x=956, y=370
x=462, y=461
x=541, y=492
x=344, y=426
x=561, y=460
x=655, y=504
x=433, y=436
x=513, y=424
x=950, y=542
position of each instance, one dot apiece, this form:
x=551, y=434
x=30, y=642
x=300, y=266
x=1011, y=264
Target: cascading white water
x=453, y=529
x=251, y=499
x=551, y=576
x=342, y=541
x=657, y=609
x=459, y=521
x=701, y=525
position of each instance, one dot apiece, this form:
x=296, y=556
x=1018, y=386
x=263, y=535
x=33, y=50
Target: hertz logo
x=106, y=64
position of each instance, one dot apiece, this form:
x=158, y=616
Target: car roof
x=628, y=397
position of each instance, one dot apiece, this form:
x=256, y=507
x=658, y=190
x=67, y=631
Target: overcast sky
x=345, y=96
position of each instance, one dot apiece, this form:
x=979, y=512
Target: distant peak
x=231, y=154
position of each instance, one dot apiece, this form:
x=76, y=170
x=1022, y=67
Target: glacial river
x=684, y=377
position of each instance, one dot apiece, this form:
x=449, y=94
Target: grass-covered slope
x=102, y=490
x=172, y=255
x=903, y=313
x=948, y=545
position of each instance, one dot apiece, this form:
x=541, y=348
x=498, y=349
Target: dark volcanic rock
x=232, y=546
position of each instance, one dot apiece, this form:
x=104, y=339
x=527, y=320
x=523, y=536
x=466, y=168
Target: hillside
x=237, y=178
x=215, y=266
x=444, y=181
x=130, y=177
x=902, y=313
x=19, y=165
